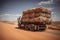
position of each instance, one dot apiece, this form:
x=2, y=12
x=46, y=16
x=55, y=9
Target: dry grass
x=10, y=22
x=55, y=25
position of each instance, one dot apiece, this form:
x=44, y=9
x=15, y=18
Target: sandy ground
x=10, y=32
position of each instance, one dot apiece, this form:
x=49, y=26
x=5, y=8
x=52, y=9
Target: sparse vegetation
x=10, y=22
x=55, y=25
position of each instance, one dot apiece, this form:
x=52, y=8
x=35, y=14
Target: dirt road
x=10, y=32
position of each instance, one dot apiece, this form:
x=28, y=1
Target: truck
x=35, y=19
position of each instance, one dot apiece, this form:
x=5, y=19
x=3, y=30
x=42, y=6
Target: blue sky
x=11, y=10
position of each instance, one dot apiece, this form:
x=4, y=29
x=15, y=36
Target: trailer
x=35, y=19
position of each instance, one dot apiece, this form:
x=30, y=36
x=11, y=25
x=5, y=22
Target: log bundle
x=36, y=15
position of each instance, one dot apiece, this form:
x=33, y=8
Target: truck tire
x=38, y=27
x=32, y=28
x=26, y=27
x=44, y=28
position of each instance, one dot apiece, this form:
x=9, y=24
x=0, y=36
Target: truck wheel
x=32, y=28
x=36, y=27
x=44, y=28
x=26, y=27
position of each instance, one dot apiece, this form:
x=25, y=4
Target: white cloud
x=4, y=15
x=54, y=17
x=51, y=9
x=10, y=15
x=46, y=2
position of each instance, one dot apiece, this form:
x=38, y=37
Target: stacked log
x=36, y=15
x=25, y=20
